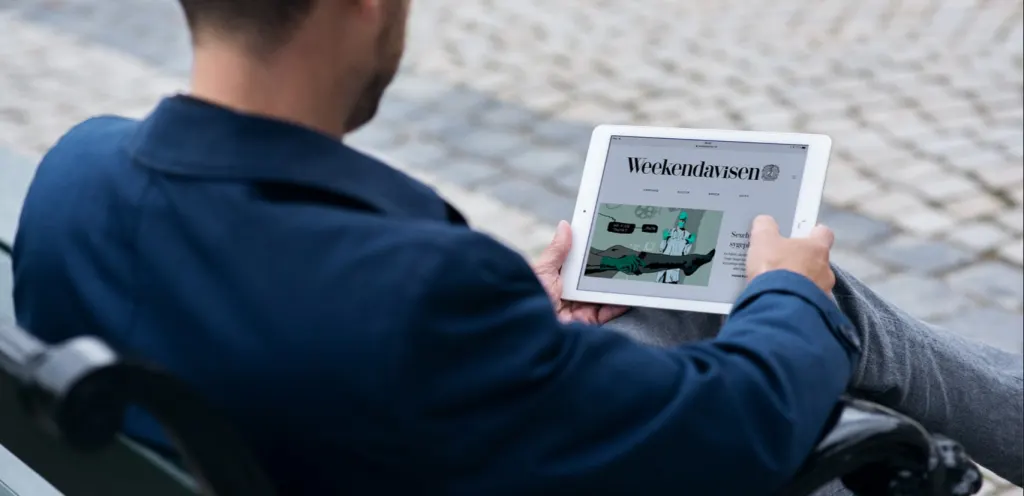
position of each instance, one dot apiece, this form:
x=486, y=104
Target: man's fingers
x=764, y=226
x=552, y=258
x=606, y=313
x=556, y=290
x=565, y=315
x=823, y=235
x=585, y=313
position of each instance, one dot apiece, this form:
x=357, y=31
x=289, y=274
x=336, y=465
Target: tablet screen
x=673, y=216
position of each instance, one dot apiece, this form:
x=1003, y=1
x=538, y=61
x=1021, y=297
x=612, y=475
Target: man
x=676, y=241
x=231, y=238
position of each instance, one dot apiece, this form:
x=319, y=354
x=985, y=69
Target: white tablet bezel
x=819, y=147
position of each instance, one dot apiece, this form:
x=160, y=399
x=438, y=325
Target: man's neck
x=278, y=86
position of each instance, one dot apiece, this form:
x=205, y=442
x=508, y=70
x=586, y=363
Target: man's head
x=352, y=47
x=681, y=223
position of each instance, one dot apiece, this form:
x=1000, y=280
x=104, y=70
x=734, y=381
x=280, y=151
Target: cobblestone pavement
x=923, y=100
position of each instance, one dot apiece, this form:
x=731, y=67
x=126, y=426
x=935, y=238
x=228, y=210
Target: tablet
x=663, y=215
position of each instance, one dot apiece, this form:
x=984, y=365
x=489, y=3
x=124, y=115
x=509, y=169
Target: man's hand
x=807, y=256
x=548, y=268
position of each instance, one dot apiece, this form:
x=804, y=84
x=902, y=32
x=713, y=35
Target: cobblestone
x=415, y=153
x=920, y=257
x=862, y=267
x=990, y=326
x=924, y=222
x=1013, y=252
x=891, y=205
x=527, y=195
x=928, y=298
x=947, y=188
x=548, y=160
x=853, y=188
x=15, y=174
x=991, y=281
x=1012, y=220
x=853, y=230
x=973, y=208
x=493, y=146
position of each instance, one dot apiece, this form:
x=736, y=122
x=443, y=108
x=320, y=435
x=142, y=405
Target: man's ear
x=364, y=7
x=365, y=13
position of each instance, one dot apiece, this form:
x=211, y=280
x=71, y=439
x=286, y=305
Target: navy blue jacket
x=364, y=340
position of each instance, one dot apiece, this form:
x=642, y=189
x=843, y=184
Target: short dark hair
x=266, y=22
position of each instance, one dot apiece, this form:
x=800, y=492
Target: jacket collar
x=188, y=137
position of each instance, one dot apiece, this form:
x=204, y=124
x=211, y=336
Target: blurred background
x=495, y=103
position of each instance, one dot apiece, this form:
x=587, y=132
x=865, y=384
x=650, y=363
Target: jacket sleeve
x=512, y=401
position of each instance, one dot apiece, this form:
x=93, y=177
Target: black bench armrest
x=80, y=389
x=876, y=451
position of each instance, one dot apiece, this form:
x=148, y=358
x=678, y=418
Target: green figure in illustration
x=676, y=241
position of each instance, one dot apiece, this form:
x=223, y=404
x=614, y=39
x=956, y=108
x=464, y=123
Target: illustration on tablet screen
x=654, y=244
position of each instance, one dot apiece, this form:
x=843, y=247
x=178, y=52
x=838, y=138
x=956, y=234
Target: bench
x=122, y=468
x=63, y=406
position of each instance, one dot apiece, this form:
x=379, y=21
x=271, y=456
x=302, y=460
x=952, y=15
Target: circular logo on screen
x=646, y=212
x=770, y=172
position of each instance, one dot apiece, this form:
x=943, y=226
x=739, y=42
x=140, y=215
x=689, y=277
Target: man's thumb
x=823, y=234
x=764, y=226
x=552, y=258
